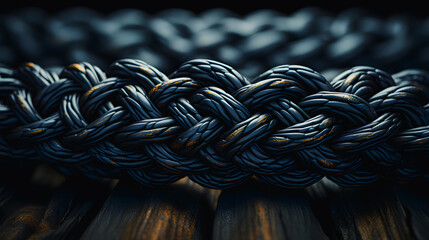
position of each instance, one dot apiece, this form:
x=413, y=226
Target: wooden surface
x=40, y=203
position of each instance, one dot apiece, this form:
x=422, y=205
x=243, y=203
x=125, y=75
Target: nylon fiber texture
x=289, y=125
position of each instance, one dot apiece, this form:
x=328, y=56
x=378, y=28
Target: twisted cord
x=251, y=43
x=289, y=126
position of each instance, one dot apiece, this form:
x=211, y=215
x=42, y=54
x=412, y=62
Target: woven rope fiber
x=251, y=43
x=288, y=125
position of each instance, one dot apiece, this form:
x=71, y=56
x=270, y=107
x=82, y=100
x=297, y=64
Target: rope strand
x=289, y=126
x=252, y=42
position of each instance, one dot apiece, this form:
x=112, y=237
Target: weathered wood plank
x=366, y=213
x=183, y=210
x=14, y=181
x=22, y=203
x=258, y=211
x=41, y=206
x=71, y=208
x=415, y=200
x=40, y=209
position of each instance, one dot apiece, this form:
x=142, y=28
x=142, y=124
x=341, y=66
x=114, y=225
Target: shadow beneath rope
x=183, y=210
x=414, y=198
x=323, y=211
x=376, y=211
x=40, y=203
x=256, y=210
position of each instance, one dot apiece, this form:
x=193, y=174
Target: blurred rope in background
x=251, y=43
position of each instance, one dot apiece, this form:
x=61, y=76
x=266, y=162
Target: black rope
x=110, y=114
x=250, y=42
x=289, y=126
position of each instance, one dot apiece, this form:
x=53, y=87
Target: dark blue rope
x=289, y=126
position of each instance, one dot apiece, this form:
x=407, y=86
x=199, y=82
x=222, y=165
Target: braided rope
x=252, y=42
x=289, y=126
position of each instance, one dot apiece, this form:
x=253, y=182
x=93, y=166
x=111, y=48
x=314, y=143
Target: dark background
x=381, y=8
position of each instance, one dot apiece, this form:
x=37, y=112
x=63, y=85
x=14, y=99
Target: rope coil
x=289, y=126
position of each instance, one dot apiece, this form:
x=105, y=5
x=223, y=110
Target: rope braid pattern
x=252, y=42
x=289, y=126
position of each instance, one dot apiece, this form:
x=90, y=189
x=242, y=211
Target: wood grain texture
x=257, y=211
x=22, y=203
x=367, y=213
x=415, y=201
x=71, y=209
x=41, y=204
x=50, y=208
x=183, y=210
